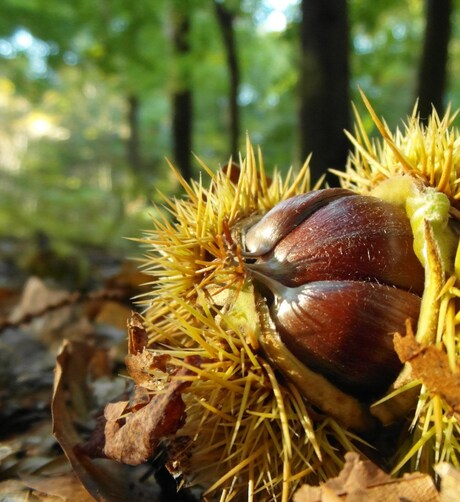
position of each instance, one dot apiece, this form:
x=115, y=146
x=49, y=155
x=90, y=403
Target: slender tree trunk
x=324, y=84
x=226, y=20
x=433, y=65
x=133, y=143
x=182, y=131
x=182, y=98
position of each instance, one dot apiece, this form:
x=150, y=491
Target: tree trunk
x=182, y=98
x=133, y=143
x=324, y=85
x=433, y=65
x=226, y=23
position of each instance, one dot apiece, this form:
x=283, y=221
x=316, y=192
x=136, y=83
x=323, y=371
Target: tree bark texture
x=226, y=20
x=324, y=85
x=133, y=143
x=182, y=97
x=433, y=64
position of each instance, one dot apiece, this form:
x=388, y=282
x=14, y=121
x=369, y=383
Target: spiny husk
x=248, y=433
x=419, y=168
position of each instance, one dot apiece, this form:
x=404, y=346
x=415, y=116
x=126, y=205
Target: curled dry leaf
x=361, y=480
x=140, y=362
x=131, y=433
x=138, y=366
x=430, y=365
x=132, y=438
x=104, y=480
x=137, y=335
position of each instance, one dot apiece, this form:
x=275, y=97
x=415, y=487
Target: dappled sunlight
x=120, y=117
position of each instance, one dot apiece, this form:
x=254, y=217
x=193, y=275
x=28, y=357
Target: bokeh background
x=96, y=94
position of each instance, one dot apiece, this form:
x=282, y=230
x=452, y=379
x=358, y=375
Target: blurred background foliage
x=95, y=94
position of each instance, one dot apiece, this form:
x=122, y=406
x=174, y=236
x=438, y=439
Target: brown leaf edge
x=431, y=366
x=361, y=480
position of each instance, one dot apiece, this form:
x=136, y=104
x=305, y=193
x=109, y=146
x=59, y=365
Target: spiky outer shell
x=418, y=168
x=249, y=433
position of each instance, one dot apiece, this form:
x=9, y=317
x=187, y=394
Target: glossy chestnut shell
x=341, y=236
x=344, y=329
x=341, y=277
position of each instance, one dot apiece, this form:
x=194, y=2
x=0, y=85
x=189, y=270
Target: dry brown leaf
x=131, y=436
x=36, y=297
x=103, y=479
x=430, y=365
x=14, y=490
x=137, y=335
x=362, y=481
x=66, y=487
x=450, y=482
x=136, y=441
x=51, y=314
x=138, y=367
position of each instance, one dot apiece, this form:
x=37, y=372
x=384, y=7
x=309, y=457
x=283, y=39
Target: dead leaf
x=139, y=366
x=430, y=365
x=136, y=441
x=14, y=490
x=51, y=314
x=137, y=335
x=103, y=479
x=362, y=481
x=37, y=296
x=133, y=437
x=450, y=482
x=66, y=487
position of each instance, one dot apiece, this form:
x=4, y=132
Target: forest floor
x=50, y=304
x=63, y=343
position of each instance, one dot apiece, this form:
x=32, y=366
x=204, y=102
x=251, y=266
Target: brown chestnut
x=344, y=329
x=287, y=215
x=341, y=277
x=348, y=237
